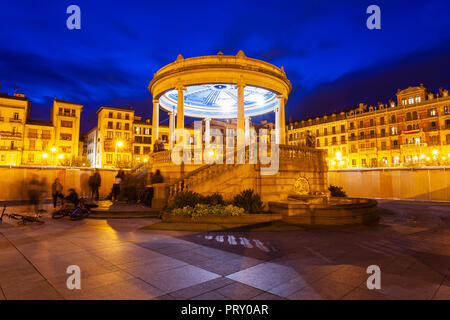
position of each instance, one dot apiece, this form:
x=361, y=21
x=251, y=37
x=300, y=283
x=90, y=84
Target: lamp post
x=119, y=144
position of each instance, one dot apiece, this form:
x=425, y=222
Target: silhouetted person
x=95, y=182
x=43, y=186
x=73, y=197
x=116, y=186
x=157, y=177
x=57, y=189
x=34, y=190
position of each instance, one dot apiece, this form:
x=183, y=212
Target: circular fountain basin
x=323, y=211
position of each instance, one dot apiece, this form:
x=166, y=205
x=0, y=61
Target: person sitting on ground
x=73, y=197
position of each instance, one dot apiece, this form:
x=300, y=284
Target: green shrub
x=214, y=199
x=249, y=201
x=336, y=191
x=205, y=209
x=184, y=199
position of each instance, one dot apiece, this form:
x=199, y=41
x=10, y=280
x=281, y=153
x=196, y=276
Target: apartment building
x=414, y=130
x=24, y=141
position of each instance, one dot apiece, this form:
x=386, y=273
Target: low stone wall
x=394, y=183
x=243, y=219
x=15, y=180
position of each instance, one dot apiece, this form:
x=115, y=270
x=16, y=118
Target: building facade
x=412, y=131
x=24, y=141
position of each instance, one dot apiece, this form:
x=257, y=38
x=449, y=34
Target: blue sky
x=331, y=58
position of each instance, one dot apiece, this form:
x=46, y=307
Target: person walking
x=116, y=186
x=34, y=193
x=57, y=189
x=95, y=181
x=43, y=186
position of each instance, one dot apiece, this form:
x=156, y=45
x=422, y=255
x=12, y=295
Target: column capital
x=155, y=101
x=180, y=86
x=241, y=83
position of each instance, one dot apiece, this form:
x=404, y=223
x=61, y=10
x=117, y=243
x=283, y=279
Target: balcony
x=46, y=136
x=32, y=135
x=10, y=135
x=15, y=120
x=413, y=145
x=6, y=148
x=2, y=119
x=361, y=150
x=434, y=128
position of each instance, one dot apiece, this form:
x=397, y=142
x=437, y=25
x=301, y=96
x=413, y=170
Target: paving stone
x=201, y=288
x=239, y=291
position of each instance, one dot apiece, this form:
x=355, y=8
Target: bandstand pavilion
x=220, y=87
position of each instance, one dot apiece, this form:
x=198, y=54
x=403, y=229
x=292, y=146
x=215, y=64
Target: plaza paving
x=118, y=260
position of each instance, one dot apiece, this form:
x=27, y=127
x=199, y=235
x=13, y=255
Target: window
x=126, y=135
x=30, y=157
x=66, y=124
x=447, y=139
x=32, y=145
x=16, y=116
x=446, y=110
x=110, y=115
x=334, y=141
x=118, y=126
x=148, y=131
x=66, y=136
x=127, y=116
x=324, y=131
x=371, y=122
x=317, y=142
x=109, y=134
x=148, y=140
x=394, y=131
x=146, y=150
x=447, y=124
x=110, y=125
x=383, y=132
x=414, y=115
x=353, y=148
x=127, y=126
x=354, y=162
x=165, y=138
x=333, y=129
x=352, y=125
x=119, y=115
x=73, y=112
x=434, y=140
x=432, y=112
x=404, y=102
x=342, y=139
x=382, y=120
x=393, y=118
x=372, y=133
x=137, y=150
x=67, y=112
x=138, y=130
x=383, y=145
x=410, y=100
x=361, y=135
x=361, y=124
x=118, y=135
x=342, y=128
x=108, y=158
x=408, y=116
x=417, y=99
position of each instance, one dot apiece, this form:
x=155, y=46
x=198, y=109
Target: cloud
x=379, y=82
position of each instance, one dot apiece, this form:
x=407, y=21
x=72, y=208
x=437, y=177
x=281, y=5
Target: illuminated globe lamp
x=220, y=87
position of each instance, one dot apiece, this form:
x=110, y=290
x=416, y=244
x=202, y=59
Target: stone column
x=282, y=121
x=240, y=114
x=247, y=131
x=171, y=129
x=180, y=109
x=207, y=132
x=155, y=119
x=277, y=125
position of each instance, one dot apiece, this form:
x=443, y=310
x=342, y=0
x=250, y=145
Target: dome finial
x=180, y=57
x=220, y=53
x=240, y=54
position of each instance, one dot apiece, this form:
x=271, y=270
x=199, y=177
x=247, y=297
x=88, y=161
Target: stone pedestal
x=160, y=195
